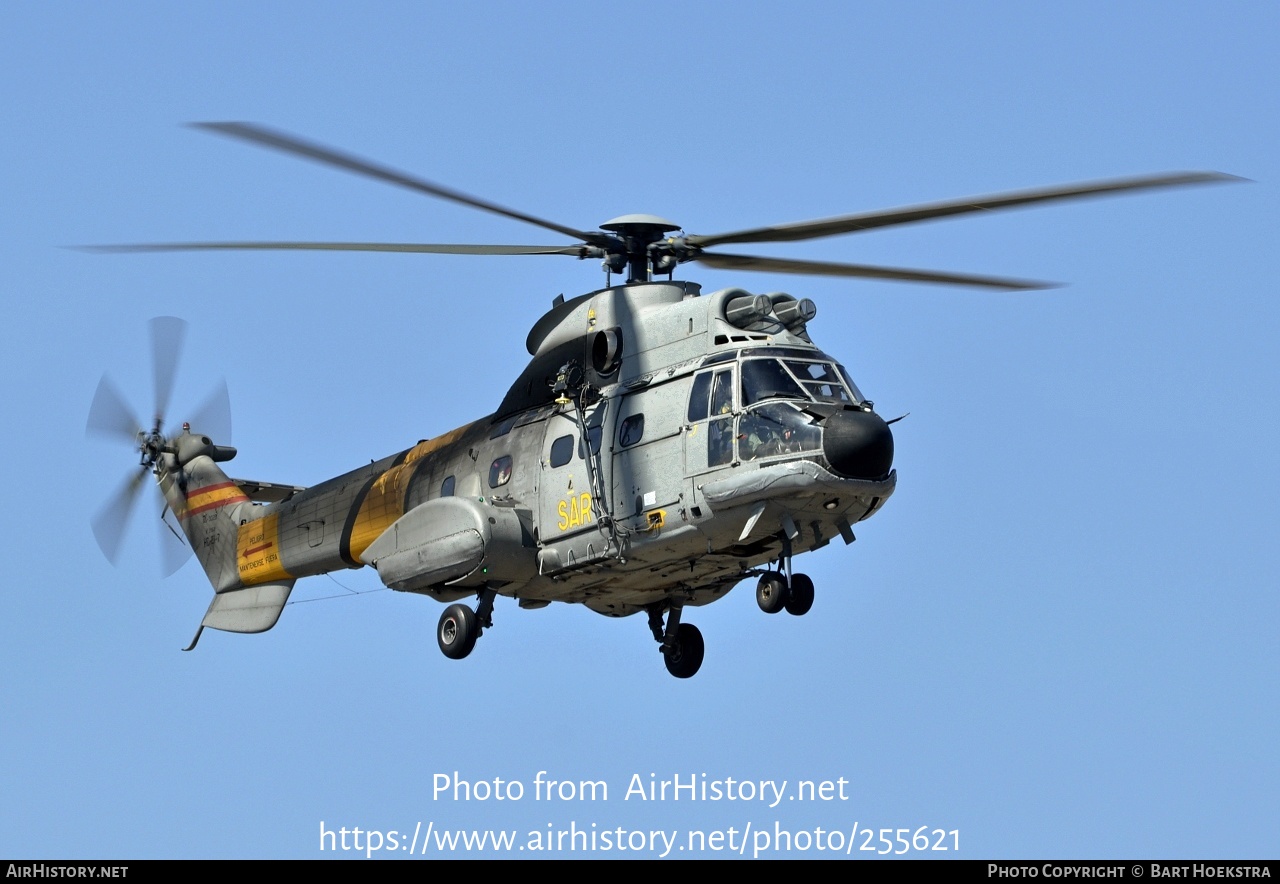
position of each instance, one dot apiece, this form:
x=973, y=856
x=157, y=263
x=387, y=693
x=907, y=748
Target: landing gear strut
x=460, y=626
x=682, y=645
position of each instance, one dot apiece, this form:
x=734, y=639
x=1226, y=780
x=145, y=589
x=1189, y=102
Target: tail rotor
x=111, y=418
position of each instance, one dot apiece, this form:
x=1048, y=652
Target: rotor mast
x=639, y=235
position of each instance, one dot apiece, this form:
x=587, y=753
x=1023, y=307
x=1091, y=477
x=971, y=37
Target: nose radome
x=858, y=444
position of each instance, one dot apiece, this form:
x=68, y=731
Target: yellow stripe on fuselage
x=385, y=501
x=258, y=552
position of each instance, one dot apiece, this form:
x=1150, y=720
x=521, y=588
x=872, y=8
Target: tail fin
x=214, y=513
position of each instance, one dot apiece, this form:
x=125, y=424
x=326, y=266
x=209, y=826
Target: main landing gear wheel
x=800, y=595
x=771, y=592
x=684, y=660
x=457, y=632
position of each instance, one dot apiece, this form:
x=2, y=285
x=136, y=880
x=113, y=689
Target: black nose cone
x=858, y=444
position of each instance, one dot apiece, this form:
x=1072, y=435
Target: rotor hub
x=643, y=244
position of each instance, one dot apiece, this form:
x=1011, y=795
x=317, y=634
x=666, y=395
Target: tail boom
x=234, y=543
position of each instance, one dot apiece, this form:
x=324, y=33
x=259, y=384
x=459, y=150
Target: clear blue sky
x=1058, y=637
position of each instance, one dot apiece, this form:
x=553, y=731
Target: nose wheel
x=799, y=595
x=775, y=593
x=771, y=592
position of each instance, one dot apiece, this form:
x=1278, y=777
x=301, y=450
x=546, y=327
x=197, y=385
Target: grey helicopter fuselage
x=660, y=446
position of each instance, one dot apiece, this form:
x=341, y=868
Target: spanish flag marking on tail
x=211, y=497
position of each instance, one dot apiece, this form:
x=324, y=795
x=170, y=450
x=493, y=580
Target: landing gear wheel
x=686, y=658
x=771, y=592
x=457, y=631
x=800, y=596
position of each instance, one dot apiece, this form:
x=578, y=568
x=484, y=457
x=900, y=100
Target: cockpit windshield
x=776, y=429
x=819, y=381
x=766, y=379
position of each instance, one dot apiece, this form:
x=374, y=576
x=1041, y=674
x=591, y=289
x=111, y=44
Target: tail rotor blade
x=213, y=417
x=174, y=552
x=167, y=334
x=109, y=415
x=111, y=521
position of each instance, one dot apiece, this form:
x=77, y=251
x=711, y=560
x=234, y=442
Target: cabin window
x=534, y=415
x=562, y=451
x=500, y=471
x=446, y=487
x=632, y=430
x=504, y=427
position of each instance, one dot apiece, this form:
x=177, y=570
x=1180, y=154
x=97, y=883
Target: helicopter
x=662, y=445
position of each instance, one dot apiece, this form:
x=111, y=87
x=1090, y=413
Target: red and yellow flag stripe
x=211, y=497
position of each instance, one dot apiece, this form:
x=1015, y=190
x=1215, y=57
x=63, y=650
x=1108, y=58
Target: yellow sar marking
x=575, y=511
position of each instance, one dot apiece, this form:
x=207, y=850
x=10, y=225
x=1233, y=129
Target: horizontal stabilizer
x=267, y=492
x=252, y=609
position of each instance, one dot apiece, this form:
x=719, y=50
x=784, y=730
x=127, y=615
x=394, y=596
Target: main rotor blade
x=213, y=417
x=167, y=334
x=290, y=144
x=911, y=214
x=866, y=271
x=110, y=522
x=109, y=415
x=579, y=251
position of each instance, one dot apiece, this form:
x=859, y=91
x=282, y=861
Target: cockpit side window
x=722, y=394
x=720, y=427
x=698, y=398
x=712, y=397
x=853, y=388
